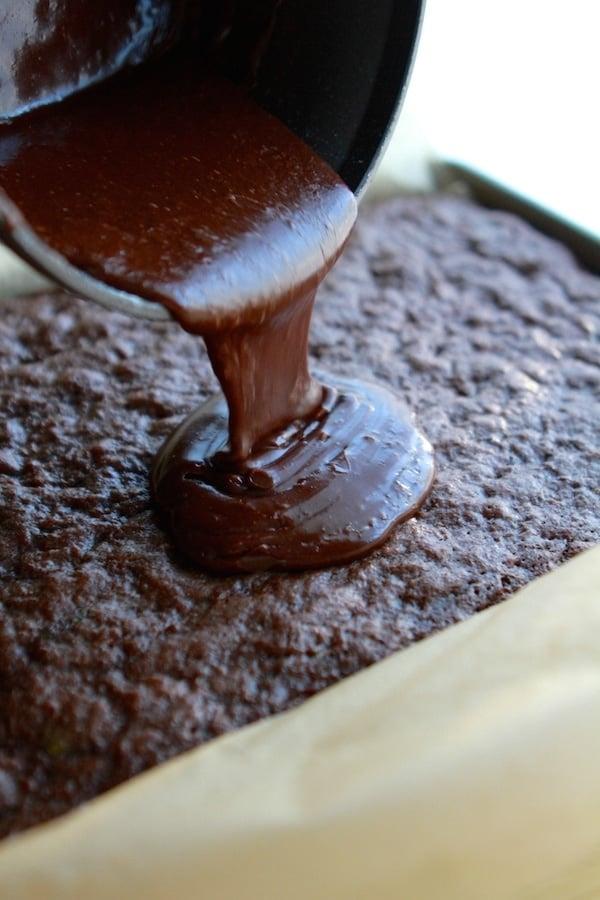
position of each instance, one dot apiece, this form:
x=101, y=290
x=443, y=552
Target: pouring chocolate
x=169, y=185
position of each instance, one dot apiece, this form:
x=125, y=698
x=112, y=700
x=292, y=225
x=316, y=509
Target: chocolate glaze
x=327, y=488
x=179, y=188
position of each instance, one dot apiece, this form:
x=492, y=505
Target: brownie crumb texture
x=115, y=654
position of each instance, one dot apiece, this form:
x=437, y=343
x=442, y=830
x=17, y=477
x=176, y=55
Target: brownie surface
x=115, y=654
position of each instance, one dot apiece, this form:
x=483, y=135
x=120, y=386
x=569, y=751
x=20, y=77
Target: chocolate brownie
x=116, y=654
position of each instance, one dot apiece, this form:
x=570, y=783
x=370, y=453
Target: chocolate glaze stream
x=178, y=188
x=263, y=371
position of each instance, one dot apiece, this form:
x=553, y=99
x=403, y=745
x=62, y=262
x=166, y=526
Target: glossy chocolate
x=325, y=489
x=176, y=187
x=179, y=188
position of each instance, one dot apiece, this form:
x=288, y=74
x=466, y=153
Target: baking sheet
x=464, y=767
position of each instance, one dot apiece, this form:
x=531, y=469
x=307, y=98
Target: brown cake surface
x=115, y=654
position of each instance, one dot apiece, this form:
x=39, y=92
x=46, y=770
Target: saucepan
x=335, y=72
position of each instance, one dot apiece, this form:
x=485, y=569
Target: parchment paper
x=467, y=766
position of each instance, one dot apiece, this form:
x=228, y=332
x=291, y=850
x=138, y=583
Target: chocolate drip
x=176, y=187
x=263, y=371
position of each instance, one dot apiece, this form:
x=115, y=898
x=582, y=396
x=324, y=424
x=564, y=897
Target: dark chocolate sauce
x=178, y=188
x=327, y=488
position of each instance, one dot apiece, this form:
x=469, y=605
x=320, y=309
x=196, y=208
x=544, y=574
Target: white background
x=512, y=88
